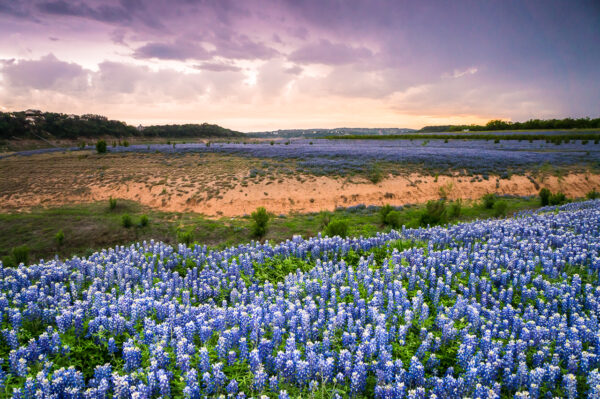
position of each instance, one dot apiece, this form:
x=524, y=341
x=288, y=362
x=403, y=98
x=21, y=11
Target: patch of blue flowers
x=490, y=309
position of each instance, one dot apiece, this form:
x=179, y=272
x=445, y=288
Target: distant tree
x=544, y=196
x=260, y=223
x=101, y=147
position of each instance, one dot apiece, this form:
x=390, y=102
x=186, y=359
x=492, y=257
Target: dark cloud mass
x=178, y=50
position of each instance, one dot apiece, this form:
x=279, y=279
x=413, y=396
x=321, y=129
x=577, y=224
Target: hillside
x=34, y=124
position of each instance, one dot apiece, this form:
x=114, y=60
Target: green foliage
x=337, y=227
x=500, y=208
x=190, y=130
x=593, y=194
x=544, y=196
x=260, y=223
x=144, y=220
x=393, y=219
x=383, y=212
x=59, y=238
x=557, y=199
x=8, y=261
x=126, y=221
x=456, y=208
x=324, y=218
x=434, y=213
x=277, y=268
x=489, y=200
x=112, y=203
x=101, y=147
x=21, y=254
x=125, y=143
x=185, y=237
x=374, y=173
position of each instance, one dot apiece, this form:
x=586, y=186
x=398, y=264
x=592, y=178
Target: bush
x=325, y=218
x=500, y=208
x=101, y=147
x=144, y=221
x=544, y=196
x=337, y=228
x=435, y=213
x=261, y=220
x=185, y=237
x=393, y=219
x=125, y=143
x=59, y=237
x=21, y=254
x=383, y=212
x=112, y=203
x=488, y=201
x=8, y=261
x=126, y=221
x=591, y=195
x=557, y=199
x=374, y=174
x=456, y=208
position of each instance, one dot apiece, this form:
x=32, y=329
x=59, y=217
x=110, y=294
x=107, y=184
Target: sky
x=258, y=65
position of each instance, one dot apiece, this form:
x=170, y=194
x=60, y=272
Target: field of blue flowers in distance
x=489, y=309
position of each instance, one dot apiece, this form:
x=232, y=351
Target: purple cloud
x=104, y=13
x=178, y=50
x=217, y=67
x=325, y=52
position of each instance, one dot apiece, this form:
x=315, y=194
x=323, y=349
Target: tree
x=260, y=223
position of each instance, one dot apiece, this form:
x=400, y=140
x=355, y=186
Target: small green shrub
x=383, y=212
x=435, y=213
x=374, y=174
x=393, y=219
x=557, y=199
x=337, y=227
x=500, y=208
x=489, y=200
x=59, y=238
x=101, y=147
x=544, y=196
x=185, y=237
x=144, y=221
x=8, y=261
x=456, y=208
x=325, y=217
x=592, y=195
x=126, y=221
x=112, y=203
x=21, y=254
x=125, y=143
x=260, y=223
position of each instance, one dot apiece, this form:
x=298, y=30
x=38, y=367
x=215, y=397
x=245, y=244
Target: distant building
x=465, y=130
x=140, y=128
x=32, y=112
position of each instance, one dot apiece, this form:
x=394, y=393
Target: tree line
x=532, y=124
x=50, y=125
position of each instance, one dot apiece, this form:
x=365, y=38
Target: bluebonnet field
x=323, y=157
x=489, y=309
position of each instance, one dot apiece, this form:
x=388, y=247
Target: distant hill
x=342, y=131
x=34, y=124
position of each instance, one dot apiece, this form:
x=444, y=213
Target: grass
x=89, y=227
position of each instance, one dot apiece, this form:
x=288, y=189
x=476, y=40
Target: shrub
x=393, y=219
x=337, y=227
x=260, y=223
x=456, y=208
x=185, y=237
x=126, y=221
x=544, y=196
x=21, y=254
x=488, y=201
x=8, y=261
x=557, y=199
x=101, y=147
x=374, y=174
x=383, y=212
x=125, y=143
x=112, y=203
x=144, y=221
x=500, y=208
x=59, y=237
x=325, y=218
x=435, y=213
x=592, y=194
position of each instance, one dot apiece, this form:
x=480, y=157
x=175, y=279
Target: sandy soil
x=218, y=186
